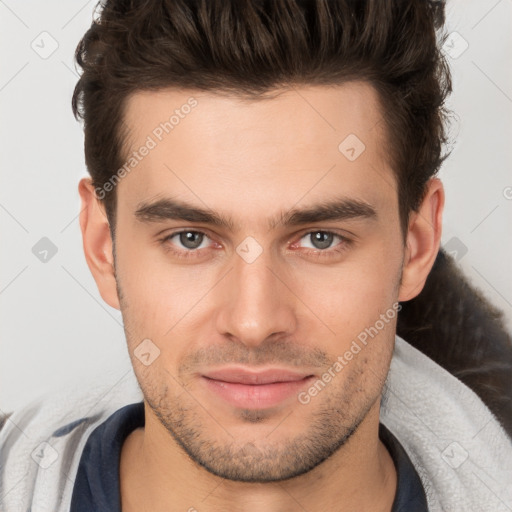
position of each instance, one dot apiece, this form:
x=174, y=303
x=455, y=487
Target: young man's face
x=268, y=295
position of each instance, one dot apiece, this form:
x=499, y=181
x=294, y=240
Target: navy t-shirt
x=97, y=485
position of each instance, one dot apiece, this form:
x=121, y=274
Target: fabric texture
x=458, y=448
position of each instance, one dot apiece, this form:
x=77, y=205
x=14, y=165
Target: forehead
x=293, y=116
x=305, y=141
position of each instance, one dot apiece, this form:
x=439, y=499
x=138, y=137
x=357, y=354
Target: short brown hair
x=250, y=47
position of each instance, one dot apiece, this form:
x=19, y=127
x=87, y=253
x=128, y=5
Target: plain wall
x=55, y=328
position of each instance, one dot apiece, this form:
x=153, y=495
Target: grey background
x=55, y=328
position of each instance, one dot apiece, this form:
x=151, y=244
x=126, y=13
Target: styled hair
x=250, y=48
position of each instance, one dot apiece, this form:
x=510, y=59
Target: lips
x=255, y=390
x=262, y=377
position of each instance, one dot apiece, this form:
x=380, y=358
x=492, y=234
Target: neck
x=156, y=474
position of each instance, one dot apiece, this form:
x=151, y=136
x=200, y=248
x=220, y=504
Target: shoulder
x=41, y=443
x=448, y=433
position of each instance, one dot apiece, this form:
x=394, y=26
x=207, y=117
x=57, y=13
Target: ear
x=423, y=240
x=97, y=242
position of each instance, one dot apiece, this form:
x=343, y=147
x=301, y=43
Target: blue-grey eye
x=321, y=239
x=190, y=239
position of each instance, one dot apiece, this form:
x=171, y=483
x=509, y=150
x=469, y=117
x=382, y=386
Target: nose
x=256, y=302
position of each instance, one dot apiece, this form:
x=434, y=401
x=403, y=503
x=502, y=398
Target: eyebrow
x=330, y=210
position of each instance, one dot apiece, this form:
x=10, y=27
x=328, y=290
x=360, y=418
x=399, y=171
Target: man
x=262, y=200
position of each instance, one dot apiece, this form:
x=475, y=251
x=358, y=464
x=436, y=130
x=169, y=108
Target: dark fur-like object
x=452, y=323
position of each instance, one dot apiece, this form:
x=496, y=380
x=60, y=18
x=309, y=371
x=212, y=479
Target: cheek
x=158, y=293
x=163, y=303
x=352, y=295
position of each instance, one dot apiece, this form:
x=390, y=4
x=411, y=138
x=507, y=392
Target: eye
x=189, y=240
x=188, y=243
x=321, y=240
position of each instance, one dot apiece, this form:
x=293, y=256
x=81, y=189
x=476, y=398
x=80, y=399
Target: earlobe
x=97, y=242
x=423, y=240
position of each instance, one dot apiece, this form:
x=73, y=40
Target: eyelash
x=318, y=253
